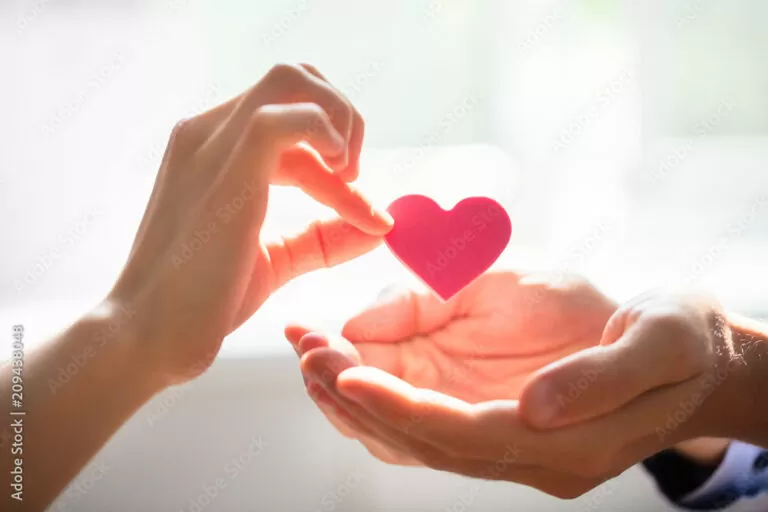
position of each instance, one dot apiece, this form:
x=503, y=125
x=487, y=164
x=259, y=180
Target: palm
x=484, y=343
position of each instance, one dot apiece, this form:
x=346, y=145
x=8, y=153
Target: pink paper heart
x=448, y=249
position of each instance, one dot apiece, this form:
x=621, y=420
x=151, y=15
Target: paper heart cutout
x=447, y=250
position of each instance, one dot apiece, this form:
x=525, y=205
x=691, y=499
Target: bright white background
x=627, y=140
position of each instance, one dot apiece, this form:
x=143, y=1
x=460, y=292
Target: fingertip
x=311, y=341
x=353, y=376
x=324, y=364
x=350, y=330
x=389, y=318
x=370, y=379
x=364, y=327
x=386, y=220
x=294, y=332
x=354, y=383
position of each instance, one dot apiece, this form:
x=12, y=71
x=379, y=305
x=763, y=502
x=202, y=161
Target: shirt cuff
x=743, y=472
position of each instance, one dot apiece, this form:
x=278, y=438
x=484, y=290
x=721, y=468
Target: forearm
x=78, y=389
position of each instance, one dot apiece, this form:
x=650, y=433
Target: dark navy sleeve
x=743, y=474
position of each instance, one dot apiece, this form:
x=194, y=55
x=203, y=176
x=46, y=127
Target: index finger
x=306, y=172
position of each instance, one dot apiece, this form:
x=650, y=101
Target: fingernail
x=543, y=407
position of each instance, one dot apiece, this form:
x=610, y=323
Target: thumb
x=602, y=379
x=398, y=316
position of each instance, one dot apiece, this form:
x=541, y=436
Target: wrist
x=741, y=412
x=751, y=344
x=112, y=334
x=169, y=351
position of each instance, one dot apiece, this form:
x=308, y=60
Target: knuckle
x=179, y=128
x=572, y=281
x=316, y=120
x=261, y=123
x=180, y=133
x=315, y=112
x=343, y=111
x=308, y=66
x=283, y=73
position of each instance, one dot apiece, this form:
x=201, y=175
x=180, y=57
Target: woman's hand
x=199, y=267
